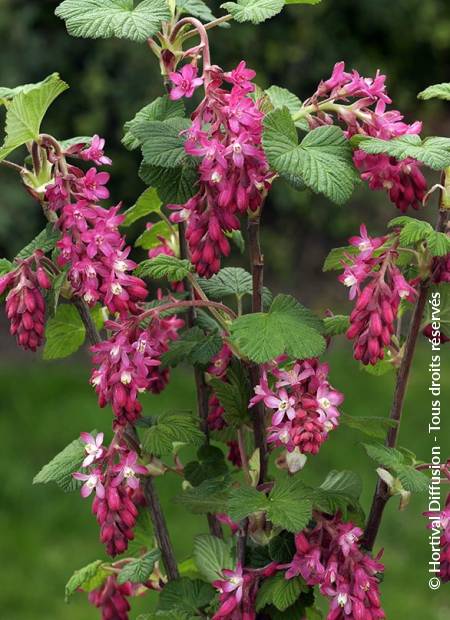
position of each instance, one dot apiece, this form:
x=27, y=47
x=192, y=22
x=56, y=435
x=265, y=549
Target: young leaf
x=233, y=395
x=368, y=425
x=210, y=464
x=160, y=109
x=62, y=466
x=151, y=237
x=211, y=556
x=288, y=327
x=433, y=152
x=387, y=457
x=103, y=19
x=26, y=111
x=64, y=333
x=185, y=595
x=164, y=266
x=255, y=11
x=45, y=241
x=209, y=496
x=139, y=570
x=87, y=578
x=169, y=429
x=436, y=91
x=162, y=144
x=231, y=281
x=193, y=347
x=336, y=325
x=148, y=202
x=323, y=159
x=196, y=8
x=337, y=256
x=5, y=266
x=344, y=483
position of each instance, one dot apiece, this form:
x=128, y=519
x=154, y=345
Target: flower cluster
x=372, y=321
x=329, y=556
x=129, y=363
x=112, y=599
x=233, y=172
x=367, y=116
x=112, y=475
x=91, y=244
x=25, y=304
x=304, y=405
x=441, y=521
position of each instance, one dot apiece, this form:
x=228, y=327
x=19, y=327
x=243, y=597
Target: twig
x=91, y=329
x=257, y=268
x=13, y=166
x=381, y=495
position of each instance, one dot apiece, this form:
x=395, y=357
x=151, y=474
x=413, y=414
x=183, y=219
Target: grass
x=46, y=534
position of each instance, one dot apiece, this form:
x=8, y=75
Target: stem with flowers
x=261, y=363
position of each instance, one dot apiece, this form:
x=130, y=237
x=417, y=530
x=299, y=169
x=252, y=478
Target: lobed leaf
x=433, y=152
x=62, y=466
x=163, y=266
x=64, y=333
x=255, y=11
x=148, y=202
x=436, y=91
x=88, y=578
x=193, y=347
x=139, y=570
x=211, y=556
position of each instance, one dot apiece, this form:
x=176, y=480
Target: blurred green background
x=45, y=535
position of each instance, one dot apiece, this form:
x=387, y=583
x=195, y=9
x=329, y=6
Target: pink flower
x=185, y=82
x=365, y=244
x=93, y=449
x=94, y=152
x=91, y=481
x=92, y=185
x=284, y=405
x=127, y=471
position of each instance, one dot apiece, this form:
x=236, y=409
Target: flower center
x=128, y=472
x=324, y=403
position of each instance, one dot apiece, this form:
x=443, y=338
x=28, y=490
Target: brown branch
x=257, y=268
x=86, y=317
x=381, y=495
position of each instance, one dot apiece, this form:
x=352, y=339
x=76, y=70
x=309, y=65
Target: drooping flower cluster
x=372, y=321
x=330, y=557
x=367, y=116
x=237, y=592
x=216, y=422
x=91, y=244
x=112, y=599
x=129, y=363
x=25, y=304
x=112, y=475
x=304, y=405
x=233, y=172
x=440, y=521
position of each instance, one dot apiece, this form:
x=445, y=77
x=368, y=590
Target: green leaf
x=402, y=463
x=337, y=256
x=87, y=578
x=388, y=457
x=245, y=501
x=436, y=91
x=286, y=507
x=210, y=464
x=185, y=595
x=433, y=152
x=231, y=281
x=45, y=241
x=255, y=11
x=209, y=496
x=344, y=483
x=139, y=570
x=340, y=490
x=279, y=591
x=368, y=425
x=174, y=185
x=282, y=548
x=151, y=237
x=97, y=19
x=281, y=97
x=26, y=111
x=234, y=395
x=55, y=292
x=163, y=144
x=169, y=429
x=379, y=369
x=412, y=480
x=148, y=202
x=211, y=556
x=438, y=243
x=288, y=327
x=414, y=232
x=62, y=466
x=5, y=266
x=160, y=109
x=163, y=266
x=192, y=347
x=323, y=159
x=302, y=1
x=196, y=8
x=336, y=325
x=64, y=333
